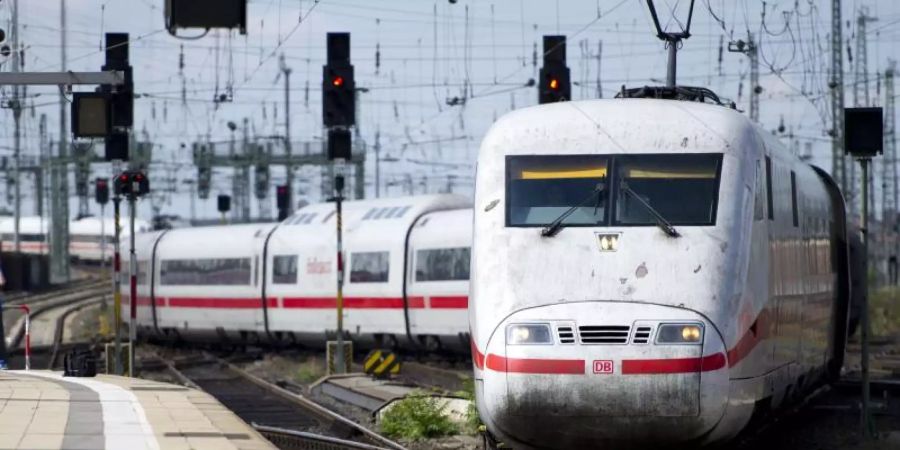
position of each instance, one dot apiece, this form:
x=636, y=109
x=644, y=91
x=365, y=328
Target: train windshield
x=542, y=188
x=681, y=188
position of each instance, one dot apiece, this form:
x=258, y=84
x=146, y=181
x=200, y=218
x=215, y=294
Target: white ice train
x=407, y=263
x=85, y=235
x=649, y=273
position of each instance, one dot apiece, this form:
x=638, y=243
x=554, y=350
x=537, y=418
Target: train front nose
x=603, y=373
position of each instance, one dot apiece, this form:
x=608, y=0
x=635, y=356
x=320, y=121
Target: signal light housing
x=132, y=184
x=282, y=200
x=338, y=85
x=554, y=85
x=101, y=191
x=223, y=203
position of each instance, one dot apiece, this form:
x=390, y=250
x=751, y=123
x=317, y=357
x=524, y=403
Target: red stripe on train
x=673, y=365
x=352, y=302
x=449, y=302
x=535, y=366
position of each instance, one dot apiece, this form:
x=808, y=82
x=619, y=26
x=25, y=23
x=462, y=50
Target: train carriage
x=207, y=282
x=277, y=282
x=438, y=276
x=648, y=272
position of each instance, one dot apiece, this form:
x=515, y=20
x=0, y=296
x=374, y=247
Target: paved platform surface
x=43, y=410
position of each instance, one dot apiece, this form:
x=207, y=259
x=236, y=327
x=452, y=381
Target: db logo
x=603, y=366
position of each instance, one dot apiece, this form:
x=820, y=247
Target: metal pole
x=102, y=236
x=132, y=310
x=670, y=75
x=289, y=168
x=27, y=336
x=17, y=116
x=868, y=425
x=117, y=284
x=378, y=163
x=339, y=354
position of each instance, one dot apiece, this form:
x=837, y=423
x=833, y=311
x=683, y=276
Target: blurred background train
x=85, y=236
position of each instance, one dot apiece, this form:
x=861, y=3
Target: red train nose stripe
x=538, y=366
x=707, y=363
x=477, y=356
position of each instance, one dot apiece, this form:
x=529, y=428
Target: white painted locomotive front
x=713, y=275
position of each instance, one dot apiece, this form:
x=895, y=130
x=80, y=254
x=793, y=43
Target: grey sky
x=490, y=44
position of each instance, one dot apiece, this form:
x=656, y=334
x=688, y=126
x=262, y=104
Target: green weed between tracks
x=422, y=416
x=417, y=417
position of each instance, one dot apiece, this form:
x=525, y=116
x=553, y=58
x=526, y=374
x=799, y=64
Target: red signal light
x=554, y=84
x=337, y=81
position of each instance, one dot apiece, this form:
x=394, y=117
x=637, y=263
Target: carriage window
x=796, y=215
x=442, y=264
x=284, y=269
x=663, y=182
x=541, y=188
x=771, y=203
x=142, y=272
x=758, y=202
x=205, y=272
x=369, y=267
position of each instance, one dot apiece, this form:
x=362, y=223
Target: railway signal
x=223, y=204
x=132, y=184
x=338, y=86
x=339, y=144
x=554, y=85
x=282, y=200
x=101, y=191
x=864, y=139
x=120, y=108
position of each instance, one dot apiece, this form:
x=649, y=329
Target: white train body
x=567, y=329
x=85, y=235
x=278, y=282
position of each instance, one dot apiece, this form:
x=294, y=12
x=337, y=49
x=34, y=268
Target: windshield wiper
x=554, y=227
x=661, y=221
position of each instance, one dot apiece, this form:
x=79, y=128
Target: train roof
x=620, y=126
x=373, y=221
x=91, y=225
x=27, y=224
x=211, y=242
x=444, y=228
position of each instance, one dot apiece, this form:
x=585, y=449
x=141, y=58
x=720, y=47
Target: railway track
x=275, y=411
x=49, y=313
x=44, y=305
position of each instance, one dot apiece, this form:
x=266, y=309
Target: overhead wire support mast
x=672, y=41
x=838, y=160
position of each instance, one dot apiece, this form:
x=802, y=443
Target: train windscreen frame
x=601, y=189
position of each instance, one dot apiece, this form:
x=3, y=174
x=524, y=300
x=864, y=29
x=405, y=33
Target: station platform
x=44, y=410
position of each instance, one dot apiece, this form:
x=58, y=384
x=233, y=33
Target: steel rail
x=59, y=333
x=292, y=439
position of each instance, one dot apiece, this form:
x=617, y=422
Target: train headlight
x=679, y=333
x=528, y=333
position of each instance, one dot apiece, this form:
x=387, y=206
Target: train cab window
x=769, y=198
x=442, y=264
x=369, y=267
x=541, y=188
x=284, y=269
x=205, y=272
x=794, y=211
x=662, y=183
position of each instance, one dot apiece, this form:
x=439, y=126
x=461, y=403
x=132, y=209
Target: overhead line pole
x=17, y=118
x=289, y=168
x=838, y=160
